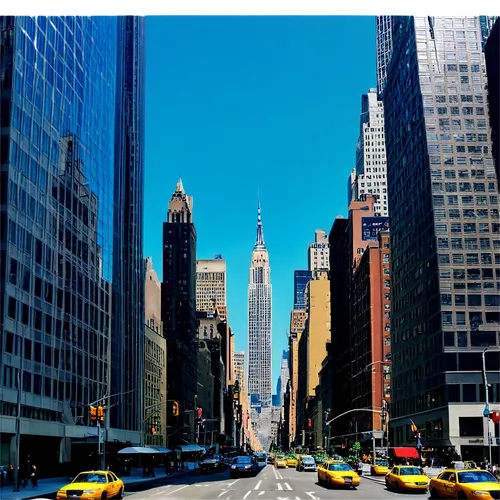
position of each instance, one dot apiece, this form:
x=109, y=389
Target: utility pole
x=486, y=412
x=18, y=431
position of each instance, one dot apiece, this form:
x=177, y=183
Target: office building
x=152, y=303
x=259, y=321
x=445, y=247
x=178, y=305
x=492, y=54
x=318, y=252
x=58, y=217
x=300, y=281
x=384, y=49
x=370, y=175
x=284, y=376
x=239, y=369
x=210, y=284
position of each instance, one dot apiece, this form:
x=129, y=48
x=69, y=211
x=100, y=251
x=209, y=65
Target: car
x=291, y=460
x=465, y=483
x=337, y=473
x=280, y=461
x=270, y=460
x=261, y=459
x=243, y=465
x=97, y=484
x=406, y=477
x=380, y=468
x=306, y=463
x=212, y=464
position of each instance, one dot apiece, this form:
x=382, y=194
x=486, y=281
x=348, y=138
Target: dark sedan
x=243, y=465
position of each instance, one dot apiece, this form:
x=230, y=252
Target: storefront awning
x=160, y=449
x=137, y=450
x=190, y=448
x=405, y=452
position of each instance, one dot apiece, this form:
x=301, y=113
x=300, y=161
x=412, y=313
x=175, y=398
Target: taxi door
x=321, y=472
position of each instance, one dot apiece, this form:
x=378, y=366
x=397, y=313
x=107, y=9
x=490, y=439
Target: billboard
x=371, y=226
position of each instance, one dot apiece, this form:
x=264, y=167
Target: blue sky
x=238, y=105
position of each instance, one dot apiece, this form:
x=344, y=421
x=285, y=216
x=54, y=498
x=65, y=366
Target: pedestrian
x=26, y=472
x=10, y=475
x=34, y=478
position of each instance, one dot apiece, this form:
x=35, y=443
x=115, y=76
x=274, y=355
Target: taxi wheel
x=434, y=493
x=330, y=483
x=120, y=494
x=462, y=495
x=388, y=485
x=104, y=495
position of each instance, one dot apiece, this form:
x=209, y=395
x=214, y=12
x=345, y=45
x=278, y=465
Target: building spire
x=179, y=188
x=259, y=242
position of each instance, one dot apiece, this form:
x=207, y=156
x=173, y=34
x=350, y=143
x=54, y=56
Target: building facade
x=318, y=252
x=155, y=388
x=284, y=376
x=259, y=322
x=370, y=175
x=300, y=281
x=127, y=328
x=492, y=54
x=178, y=305
x=57, y=232
x=210, y=284
x=239, y=369
x=384, y=49
x=152, y=302
x=445, y=250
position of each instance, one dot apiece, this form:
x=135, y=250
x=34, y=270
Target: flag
x=414, y=428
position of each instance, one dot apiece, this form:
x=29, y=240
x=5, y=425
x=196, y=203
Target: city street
x=270, y=483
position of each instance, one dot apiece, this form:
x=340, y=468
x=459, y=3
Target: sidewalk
x=49, y=487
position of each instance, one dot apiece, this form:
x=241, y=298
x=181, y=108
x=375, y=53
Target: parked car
x=243, y=465
x=306, y=463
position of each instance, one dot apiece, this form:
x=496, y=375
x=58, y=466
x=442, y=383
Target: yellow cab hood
x=83, y=486
x=414, y=479
x=490, y=486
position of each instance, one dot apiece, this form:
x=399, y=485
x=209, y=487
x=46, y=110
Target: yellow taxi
x=291, y=460
x=98, y=484
x=454, y=483
x=280, y=461
x=406, y=477
x=380, y=468
x=337, y=473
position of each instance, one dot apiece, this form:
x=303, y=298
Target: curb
x=135, y=483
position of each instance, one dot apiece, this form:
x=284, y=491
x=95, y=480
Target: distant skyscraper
x=384, y=49
x=153, y=298
x=284, y=375
x=210, y=284
x=370, y=175
x=178, y=302
x=300, y=281
x=445, y=249
x=239, y=369
x=318, y=254
x=259, y=320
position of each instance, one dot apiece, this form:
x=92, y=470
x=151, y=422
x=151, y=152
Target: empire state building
x=259, y=323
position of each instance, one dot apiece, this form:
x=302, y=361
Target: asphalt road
x=269, y=484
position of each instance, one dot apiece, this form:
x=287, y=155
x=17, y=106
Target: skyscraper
x=259, y=332
x=444, y=208
x=239, y=369
x=210, y=284
x=318, y=253
x=284, y=376
x=127, y=327
x=384, y=48
x=60, y=88
x=370, y=175
x=300, y=281
x=178, y=304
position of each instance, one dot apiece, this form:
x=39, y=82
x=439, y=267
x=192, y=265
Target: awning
x=405, y=452
x=190, y=448
x=160, y=449
x=137, y=450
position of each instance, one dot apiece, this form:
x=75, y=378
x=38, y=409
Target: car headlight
x=480, y=492
x=233, y=466
x=92, y=490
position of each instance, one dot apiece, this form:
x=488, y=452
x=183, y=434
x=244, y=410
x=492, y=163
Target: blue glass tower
x=300, y=281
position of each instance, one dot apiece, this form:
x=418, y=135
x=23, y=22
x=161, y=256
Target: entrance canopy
x=137, y=450
x=190, y=448
x=405, y=453
x=160, y=449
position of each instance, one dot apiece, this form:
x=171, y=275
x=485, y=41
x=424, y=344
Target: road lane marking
x=280, y=487
x=235, y=481
x=246, y=494
x=258, y=484
x=223, y=493
x=297, y=498
x=261, y=493
x=178, y=489
x=158, y=493
x=288, y=486
x=310, y=493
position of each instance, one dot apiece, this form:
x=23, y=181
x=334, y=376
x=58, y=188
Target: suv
x=306, y=463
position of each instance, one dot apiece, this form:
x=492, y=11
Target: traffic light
x=93, y=413
x=495, y=416
x=199, y=413
x=100, y=413
x=309, y=422
x=175, y=409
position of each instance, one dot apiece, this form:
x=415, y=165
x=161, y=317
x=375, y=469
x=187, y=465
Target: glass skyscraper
x=300, y=281
x=445, y=233
x=59, y=91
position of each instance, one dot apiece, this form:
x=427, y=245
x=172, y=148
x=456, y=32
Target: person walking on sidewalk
x=34, y=478
x=26, y=472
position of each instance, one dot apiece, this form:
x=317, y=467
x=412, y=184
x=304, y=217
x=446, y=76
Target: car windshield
x=410, y=471
x=339, y=467
x=476, y=477
x=90, y=477
x=382, y=463
x=242, y=460
x=308, y=460
x=280, y=457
